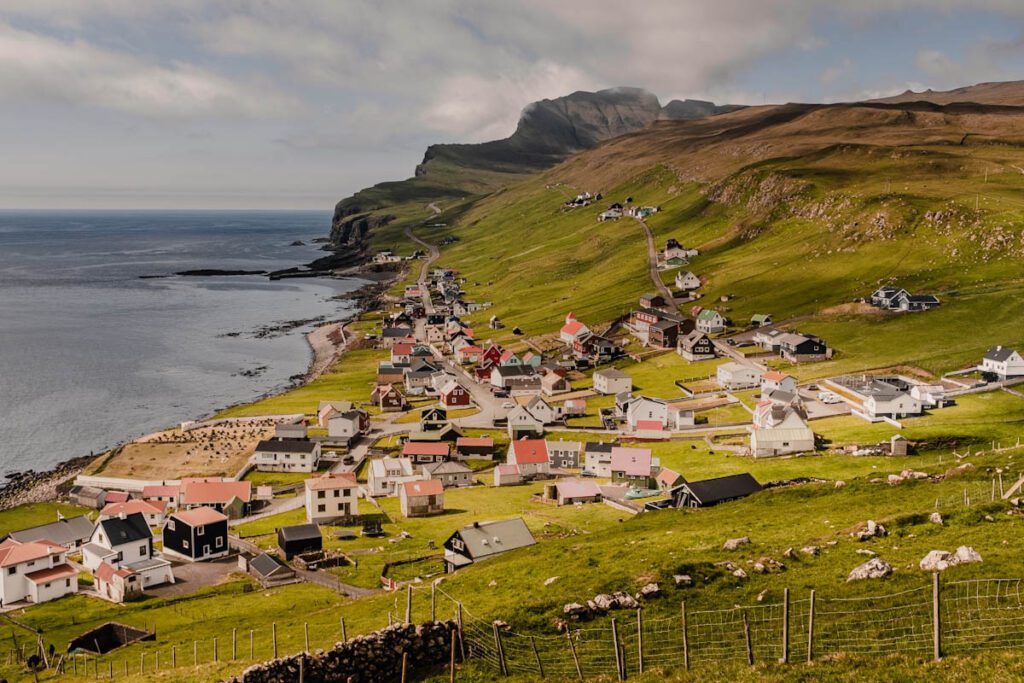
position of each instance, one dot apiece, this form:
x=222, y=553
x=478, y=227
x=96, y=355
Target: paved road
x=652, y=257
x=435, y=253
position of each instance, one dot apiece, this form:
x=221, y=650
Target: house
x=664, y=334
x=892, y=404
x=224, y=495
x=596, y=349
x=696, y=346
x=514, y=376
x=288, y=456
x=71, y=532
x=652, y=301
x=912, y=303
x=290, y=430
x=532, y=359
x=930, y=395
x=612, y=381
x=650, y=430
x=481, y=447
x=492, y=355
x=543, y=411
x=708, y=492
x=116, y=584
x=797, y=348
x=552, y=383
x=634, y=466
x=768, y=339
x=127, y=543
x=421, y=498
x=573, y=330
x=779, y=430
x=573, y=492
x=760, y=320
x=469, y=354
x=668, y=479
x=508, y=357
x=386, y=374
x=574, y=407
x=733, y=376
x=35, y=571
x=454, y=395
x=386, y=474
x=646, y=409
x=521, y=422
x=162, y=493
x=154, y=512
x=886, y=297
x=419, y=452
x=531, y=457
x=680, y=417
x=433, y=418
x=332, y=497
x=710, y=321
x=87, y=496
x=196, y=535
x=389, y=336
x=565, y=454
x=417, y=377
x=447, y=432
x=481, y=540
x=597, y=459
x=687, y=281
x=269, y=571
x=327, y=408
x=773, y=380
x=610, y=215
x=118, y=496
x=299, y=539
x=1002, y=362
x=507, y=475
x=450, y=473
x=388, y=398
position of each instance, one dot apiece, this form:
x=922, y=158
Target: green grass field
x=35, y=514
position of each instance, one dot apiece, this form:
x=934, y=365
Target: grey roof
x=448, y=467
x=288, y=446
x=132, y=528
x=516, y=370
x=299, y=532
x=613, y=373
x=999, y=354
x=491, y=538
x=268, y=565
x=710, y=491
x=61, y=532
x=395, y=332
x=666, y=324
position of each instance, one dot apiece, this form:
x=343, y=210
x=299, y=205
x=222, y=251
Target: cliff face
x=548, y=132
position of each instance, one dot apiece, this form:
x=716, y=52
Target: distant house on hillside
x=710, y=321
x=709, y=492
x=733, y=376
x=481, y=540
x=797, y=348
x=760, y=320
x=686, y=281
x=1002, y=362
x=610, y=381
x=573, y=330
x=652, y=301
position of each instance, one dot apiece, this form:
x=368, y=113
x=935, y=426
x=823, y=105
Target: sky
x=297, y=103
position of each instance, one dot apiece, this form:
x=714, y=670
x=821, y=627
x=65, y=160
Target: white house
x=710, y=321
x=287, y=456
x=646, y=409
x=597, y=459
x=522, y=422
x=893, y=405
x=127, y=543
x=773, y=380
x=1003, y=362
x=734, y=376
x=36, y=571
x=679, y=417
x=687, y=281
x=347, y=425
x=611, y=381
x=930, y=395
x=573, y=330
x=332, y=496
x=779, y=430
x=544, y=411
x=386, y=474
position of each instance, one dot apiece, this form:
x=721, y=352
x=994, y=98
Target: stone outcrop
x=871, y=529
x=875, y=568
x=365, y=659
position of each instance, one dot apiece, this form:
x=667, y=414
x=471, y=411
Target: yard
x=36, y=514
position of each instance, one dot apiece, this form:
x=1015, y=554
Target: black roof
x=287, y=446
x=299, y=532
x=598, y=447
x=666, y=324
x=265, y=564
x=132, y=528
x=516, y=370
x=710, y=491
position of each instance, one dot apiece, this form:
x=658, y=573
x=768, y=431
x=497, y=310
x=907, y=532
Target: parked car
x=508, y=404
x=348, y=460
x=829, y=398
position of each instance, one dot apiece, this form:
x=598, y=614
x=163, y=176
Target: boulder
x=871, y=529
x=866, y=552
x=762, y=595
x=935, y=518
x=966, y=555
x=894, y=479
x=936, y=561
x=811, y=550
x=740, y=574
x=734, y=543
x=651, y=590
x=605, y=602
x=575, y=610
x=759, y=568
x=625, y=600
x=840, y=484
x=875, y=568
x=683, y=580
x=789, y=553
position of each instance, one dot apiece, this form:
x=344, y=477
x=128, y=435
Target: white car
x=508, y=404
x=828, y=398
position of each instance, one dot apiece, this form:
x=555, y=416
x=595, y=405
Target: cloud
x=41, y=67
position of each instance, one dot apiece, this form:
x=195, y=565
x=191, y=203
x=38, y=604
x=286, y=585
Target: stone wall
x=371, y=658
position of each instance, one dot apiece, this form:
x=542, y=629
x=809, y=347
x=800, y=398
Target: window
x=218, y=542
x=12, y=570
x=321, y=508
x=321, y=494
x=184, y=544
x=200, y=530
x=142, y=550
x=337, y=493
x=67, y=583
x=170, y=524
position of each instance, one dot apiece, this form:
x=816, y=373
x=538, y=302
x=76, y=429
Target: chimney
x=121, y=515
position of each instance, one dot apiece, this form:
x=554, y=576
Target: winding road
x=652, y=257
x=434, y=252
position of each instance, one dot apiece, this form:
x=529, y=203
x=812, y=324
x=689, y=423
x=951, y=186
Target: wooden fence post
x=433, y=601
x=785, y=626
x=302, y=668
x=499, y=650
x=252, y=643
x=462, y=641
x=234, y=644
x=215, y=649
x=305, y=635
x=640, y=640
x=810, y=629
x=273, y=637
x=195, y=653
x=746, y=639
x=451, y=664
x=536, y=655
x=686, y=640
x=618, y=652
x=408, y=604
x=405, y=665
x=157, y=657
x=142, y=663
x=575, y=657
x=174, y=656
x=344, y=636
x=936, y=624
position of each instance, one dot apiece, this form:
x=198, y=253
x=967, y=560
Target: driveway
x=191, y=576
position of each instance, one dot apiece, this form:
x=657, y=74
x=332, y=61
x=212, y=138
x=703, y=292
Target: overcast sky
x=297, y=103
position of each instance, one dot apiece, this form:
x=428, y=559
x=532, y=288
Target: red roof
x=61, y=571
x=426, y=487
x=332, y=480
x=199, y=516
x=480, y=441
x=13, y=552
x=668, y=476
x=573, y=328
x=507, y=469
x=146, y=507
x=774, y=376
x=577, y=488
x=425, y=448
x=634, y=462
x=650, y=425
x=403, y=349
x=106, y=571
x=117, y=496
x=166, y=491
x=470, y=350
x=202, y=492
x=529, y=452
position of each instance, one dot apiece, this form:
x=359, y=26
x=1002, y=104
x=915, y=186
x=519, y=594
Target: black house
x=197, y=534
x=708, y=492
x=298, y=539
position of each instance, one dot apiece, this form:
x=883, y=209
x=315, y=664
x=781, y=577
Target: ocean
x=93, y=354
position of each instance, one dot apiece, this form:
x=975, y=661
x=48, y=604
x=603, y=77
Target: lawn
x=277, y=478
x=36, y=514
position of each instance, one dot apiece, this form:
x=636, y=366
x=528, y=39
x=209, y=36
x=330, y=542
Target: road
x=434, y=252
x=652, y=257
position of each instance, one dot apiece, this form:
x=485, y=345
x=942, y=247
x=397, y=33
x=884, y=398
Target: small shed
x=301, y=538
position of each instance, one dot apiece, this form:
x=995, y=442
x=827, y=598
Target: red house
x=492, y=356
x=454, y=395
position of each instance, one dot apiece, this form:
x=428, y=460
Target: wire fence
x=933, y=620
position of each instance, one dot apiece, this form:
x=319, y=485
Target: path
x=329, y=580
x=652, y=257
x=435, y=253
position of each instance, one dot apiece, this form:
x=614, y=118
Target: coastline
x=328, y=342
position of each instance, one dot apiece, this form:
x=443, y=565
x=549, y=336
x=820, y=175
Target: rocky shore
x=30, y=486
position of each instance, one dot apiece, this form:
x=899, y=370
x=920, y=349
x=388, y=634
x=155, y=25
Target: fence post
x=344, y=636
x=618, y=653
x=785, y=626
x=215, y=658
x=174, y=656
x=575, y=657
x=252, y=643
x=408, y=604
x=536, y=654
x=462, y=641
x=273, y=637
x=234, y=644
x=640, y=640
x=451, y=664
x=157, y=665
x=142, y=663
x=433, y=601
x=195, y=653
x=499, y=651
x=686, y=640
x=405, y=665
x=746, y=639
x=810, y=629
x=936, y=624
x=305, y=635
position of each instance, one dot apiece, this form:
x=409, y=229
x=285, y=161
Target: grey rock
x=935, y=518
x=936, y=561
x=811, y=550
x=966, y=555
x=683, y=580
x=651, y=590
x=734, y=543
x=875, y=568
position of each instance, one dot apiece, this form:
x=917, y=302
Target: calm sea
x=91, y=354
